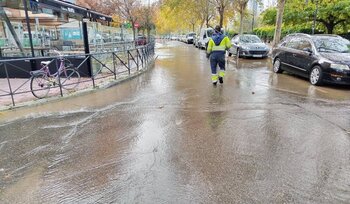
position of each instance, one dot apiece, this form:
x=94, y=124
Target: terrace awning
x=68, y=8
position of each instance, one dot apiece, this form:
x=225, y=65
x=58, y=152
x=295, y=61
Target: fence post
x=91, y=71
x=8, y=81
x=129, y=62
x=147, y=54
x=143, y=58
x=58, y=66
x=137, y=59
x=115, y=71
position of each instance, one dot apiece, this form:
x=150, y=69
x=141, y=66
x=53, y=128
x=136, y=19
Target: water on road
x=170, y=136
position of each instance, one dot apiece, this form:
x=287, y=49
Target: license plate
x=257, y=55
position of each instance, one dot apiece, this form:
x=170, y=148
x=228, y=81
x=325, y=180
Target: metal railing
x=95, y=69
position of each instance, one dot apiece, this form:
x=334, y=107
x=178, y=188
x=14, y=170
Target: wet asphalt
x=170, y=136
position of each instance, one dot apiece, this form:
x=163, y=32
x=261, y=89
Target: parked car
x=190, y=37
x=183, y=38
x=204, y=37
x=195, y=41
x=174, y=37
x=321, y=58
x=141, y=40
x=248, y=46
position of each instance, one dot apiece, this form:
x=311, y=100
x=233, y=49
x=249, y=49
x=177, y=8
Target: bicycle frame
x=61, y=69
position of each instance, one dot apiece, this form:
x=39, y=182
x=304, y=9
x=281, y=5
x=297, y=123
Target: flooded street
x=170, y=136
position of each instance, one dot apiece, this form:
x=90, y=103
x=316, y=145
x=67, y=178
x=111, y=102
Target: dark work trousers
x=217, y=58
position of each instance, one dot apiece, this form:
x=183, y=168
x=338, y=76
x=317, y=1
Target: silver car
x=248, y=46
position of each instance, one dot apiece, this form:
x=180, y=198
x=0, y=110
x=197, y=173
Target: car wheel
x=229, y=54
x=277, y=66
x=316, y=76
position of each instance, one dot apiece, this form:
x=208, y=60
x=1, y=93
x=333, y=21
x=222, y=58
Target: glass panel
x=332, y=44
x=304, y=44
x=105, y=39
x=293, y=43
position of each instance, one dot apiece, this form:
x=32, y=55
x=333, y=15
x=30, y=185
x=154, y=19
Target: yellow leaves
x=117, y=21
x=178, y=15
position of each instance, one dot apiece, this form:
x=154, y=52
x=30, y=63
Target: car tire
x=316, y=76
x=277, y=66
x=229, y=54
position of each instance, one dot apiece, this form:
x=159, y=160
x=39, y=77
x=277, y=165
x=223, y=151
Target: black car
x=321, y=58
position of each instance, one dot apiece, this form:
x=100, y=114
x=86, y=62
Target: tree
x=277, y=35
x=146, y=16
x=329, y=13
x=102, y=6
x=221, y=5
x=269, y=16
x=241, y=6
x=206, y=12
x=183, y=15
x=127, y=9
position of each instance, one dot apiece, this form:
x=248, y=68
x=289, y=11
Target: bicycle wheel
x=70, y=79
x=40, y=85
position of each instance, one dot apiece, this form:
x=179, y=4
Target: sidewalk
x=24, y=97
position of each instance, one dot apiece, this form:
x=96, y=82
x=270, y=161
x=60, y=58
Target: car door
x=305, y=57
x=280, y=51
x=290, y=56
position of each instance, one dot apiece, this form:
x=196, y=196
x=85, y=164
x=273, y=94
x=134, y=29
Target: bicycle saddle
x=45, y=62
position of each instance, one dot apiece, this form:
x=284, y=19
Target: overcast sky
x=146, y=1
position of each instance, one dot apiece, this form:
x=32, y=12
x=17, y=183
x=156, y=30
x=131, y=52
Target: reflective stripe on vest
x=218, y=48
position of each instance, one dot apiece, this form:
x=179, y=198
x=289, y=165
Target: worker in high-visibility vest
x=217, y=46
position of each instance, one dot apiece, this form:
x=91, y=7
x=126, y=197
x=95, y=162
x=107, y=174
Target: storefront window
x=53, y=27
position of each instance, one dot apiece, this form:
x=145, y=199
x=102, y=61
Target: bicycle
x=66, y=77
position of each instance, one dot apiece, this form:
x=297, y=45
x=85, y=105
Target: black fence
x=95, y=70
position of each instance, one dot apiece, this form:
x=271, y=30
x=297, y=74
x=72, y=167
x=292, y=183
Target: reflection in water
x=216, y=113
x=251, y=63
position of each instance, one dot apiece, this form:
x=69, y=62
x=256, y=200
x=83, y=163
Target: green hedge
x=267, y=32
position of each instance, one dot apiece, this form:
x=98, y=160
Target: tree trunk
x=329, y=25
x=330, y=28
x=241, y=22
x=207, y=19
x=148, y=34
x=133, y=31
x=221, y=17
x=279, y=19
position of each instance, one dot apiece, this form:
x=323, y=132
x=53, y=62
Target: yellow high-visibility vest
x=225, y=44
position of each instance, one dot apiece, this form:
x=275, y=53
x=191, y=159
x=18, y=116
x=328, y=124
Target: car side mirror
x=308, y=50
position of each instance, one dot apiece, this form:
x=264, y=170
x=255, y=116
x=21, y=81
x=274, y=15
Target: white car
x=204, y=37
x=190, y=38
